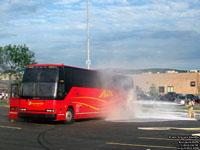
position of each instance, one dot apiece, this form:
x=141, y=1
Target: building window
x=161, y=89
x=192, y=83
x=170, y=89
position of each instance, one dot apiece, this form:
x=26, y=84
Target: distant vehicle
x=193, y=97
x=189, y=96
x=180, y=99
x=178, y=94
x=197, y=100
x=142, y=96
x=169, y=97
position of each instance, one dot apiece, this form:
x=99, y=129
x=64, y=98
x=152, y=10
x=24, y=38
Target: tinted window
x=46, y=89
x=29, y=89
x=43, y=89
x=30, y=75
x=40, y=82
x=48, y=75
x=92, y=79
x=41, y=75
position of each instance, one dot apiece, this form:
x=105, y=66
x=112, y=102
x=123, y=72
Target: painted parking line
x=155, y=128
x=196, y=134
x=137, y=145
x=9, y=127
x=168, y=128
x=188, y=129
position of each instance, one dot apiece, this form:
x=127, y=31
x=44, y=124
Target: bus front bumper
x=37, y=116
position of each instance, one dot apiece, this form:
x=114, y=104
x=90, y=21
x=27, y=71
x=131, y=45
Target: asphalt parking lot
x=97, y=134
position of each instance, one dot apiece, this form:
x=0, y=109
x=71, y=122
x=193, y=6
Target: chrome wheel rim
x=68, y=115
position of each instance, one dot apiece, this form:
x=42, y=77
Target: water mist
x=148, y=111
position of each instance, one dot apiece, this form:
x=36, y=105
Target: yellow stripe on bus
x=87, y=105
x=101, y=100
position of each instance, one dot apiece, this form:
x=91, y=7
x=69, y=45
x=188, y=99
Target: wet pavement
x=136, y=134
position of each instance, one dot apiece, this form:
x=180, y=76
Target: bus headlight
x=50, y=110
x=22, y=109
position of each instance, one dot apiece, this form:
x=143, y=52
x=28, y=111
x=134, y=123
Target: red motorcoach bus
x=64, y=93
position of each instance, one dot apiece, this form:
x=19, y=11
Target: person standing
x=190, y=106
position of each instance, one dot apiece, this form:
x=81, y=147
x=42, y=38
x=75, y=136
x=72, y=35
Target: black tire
x=69, y=116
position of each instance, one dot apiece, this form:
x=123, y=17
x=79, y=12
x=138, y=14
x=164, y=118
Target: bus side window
x=68, y=73
x=61, y=90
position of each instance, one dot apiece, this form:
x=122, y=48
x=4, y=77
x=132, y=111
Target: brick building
x=184, y=83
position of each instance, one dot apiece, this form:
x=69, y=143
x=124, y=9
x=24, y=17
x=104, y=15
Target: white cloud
x=179, y=5
x=13, y=1
x=38, y=20
x=81, y=26
x=110, y=1
x=126, y=31
x=66, y=2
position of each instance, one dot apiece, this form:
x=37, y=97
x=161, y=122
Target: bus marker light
x=13, y=108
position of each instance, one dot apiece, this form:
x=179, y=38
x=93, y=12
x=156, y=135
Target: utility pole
x=88, y=61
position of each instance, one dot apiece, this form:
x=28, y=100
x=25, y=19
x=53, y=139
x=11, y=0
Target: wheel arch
x=72, y=107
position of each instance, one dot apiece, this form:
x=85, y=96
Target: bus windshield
x=40, y=83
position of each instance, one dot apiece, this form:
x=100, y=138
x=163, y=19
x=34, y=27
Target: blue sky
x=133, y=34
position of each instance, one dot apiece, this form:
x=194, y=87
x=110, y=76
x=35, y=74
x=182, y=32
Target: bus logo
x=106, y=93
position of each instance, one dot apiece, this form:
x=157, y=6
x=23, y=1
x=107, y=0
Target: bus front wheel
x=69, y=116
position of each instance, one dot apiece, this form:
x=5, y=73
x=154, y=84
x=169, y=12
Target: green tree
x=14, y=60
x=1, y=58
x=153, y=91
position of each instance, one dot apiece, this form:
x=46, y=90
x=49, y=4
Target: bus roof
x=58, y=65
x=62, y=65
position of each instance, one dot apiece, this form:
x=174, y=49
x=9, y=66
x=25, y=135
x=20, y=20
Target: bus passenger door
x=14, y=101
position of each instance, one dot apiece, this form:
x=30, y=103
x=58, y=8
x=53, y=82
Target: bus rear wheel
x=69, y=116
